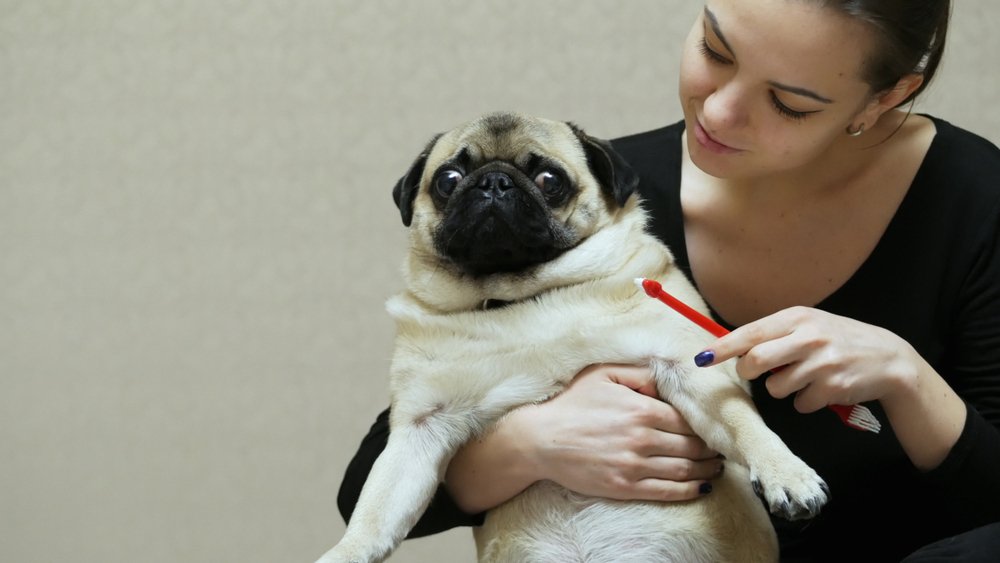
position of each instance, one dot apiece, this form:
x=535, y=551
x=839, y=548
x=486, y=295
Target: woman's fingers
x=652, y=442
x=655, y=414
x=636, y=378
x=678, y=469
x=672, y=479
x=646, y=408
x=662, y=479
x=760, y=345
x=659, y=490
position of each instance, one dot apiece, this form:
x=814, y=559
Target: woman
x=841, y=237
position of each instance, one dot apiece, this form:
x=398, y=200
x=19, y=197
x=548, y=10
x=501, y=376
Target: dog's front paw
x=791, y=489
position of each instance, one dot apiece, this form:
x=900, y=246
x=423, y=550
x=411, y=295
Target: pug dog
x=525, y=238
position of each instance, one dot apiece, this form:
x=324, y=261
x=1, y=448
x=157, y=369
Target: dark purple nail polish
x=704, y=488
x=704, y=358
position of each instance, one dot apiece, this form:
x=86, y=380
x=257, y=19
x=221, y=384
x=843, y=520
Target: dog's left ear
x=406, y=188
x=615, y=175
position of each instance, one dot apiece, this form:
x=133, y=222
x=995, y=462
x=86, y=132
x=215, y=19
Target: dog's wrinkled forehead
x=510, y=137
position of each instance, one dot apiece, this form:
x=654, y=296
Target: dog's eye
x=446, y=182
x=549, y=182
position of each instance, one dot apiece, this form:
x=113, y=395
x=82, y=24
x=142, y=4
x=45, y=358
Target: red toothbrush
x=859, y=417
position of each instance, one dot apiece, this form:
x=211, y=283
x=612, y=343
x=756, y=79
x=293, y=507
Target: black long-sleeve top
x=934, y=280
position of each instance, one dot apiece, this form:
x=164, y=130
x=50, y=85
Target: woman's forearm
x=927, y=416
x=494, y=468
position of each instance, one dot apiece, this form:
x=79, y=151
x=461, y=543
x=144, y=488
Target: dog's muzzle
x=497, y=224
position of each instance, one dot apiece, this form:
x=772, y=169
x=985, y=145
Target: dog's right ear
x=616, y=176
x=406, y=187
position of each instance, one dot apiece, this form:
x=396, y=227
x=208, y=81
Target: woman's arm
x=606, y=435
x=926, y=414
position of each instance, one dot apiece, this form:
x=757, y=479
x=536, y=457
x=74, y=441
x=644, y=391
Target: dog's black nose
x=495, y=182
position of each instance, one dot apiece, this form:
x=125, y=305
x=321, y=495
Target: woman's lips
x=706, y=140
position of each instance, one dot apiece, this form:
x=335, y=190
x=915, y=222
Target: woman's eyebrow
x=712, y=21
x=800, y=92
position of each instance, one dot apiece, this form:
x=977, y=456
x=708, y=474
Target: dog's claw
x=798, y=494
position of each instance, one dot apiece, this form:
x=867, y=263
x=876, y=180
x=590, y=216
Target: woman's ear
x=887, y=100
x=905, y=87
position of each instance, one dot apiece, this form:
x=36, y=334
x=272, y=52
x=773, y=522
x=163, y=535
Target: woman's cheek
x=696, y=78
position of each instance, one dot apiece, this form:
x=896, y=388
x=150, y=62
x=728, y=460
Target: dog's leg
x=399, y=487
x=722, y=413
x=422, y=442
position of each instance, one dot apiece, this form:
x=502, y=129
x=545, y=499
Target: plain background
x=197, y=238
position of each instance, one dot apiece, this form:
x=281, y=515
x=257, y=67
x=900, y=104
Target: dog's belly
x=548, y=523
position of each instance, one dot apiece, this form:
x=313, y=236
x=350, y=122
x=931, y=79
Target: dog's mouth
x=496, y=225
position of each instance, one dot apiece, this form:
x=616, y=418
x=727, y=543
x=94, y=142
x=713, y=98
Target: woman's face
x=769, y=85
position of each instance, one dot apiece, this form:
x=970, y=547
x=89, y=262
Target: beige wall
x=197, y=236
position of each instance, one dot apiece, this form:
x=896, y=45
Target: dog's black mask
x=497, y=218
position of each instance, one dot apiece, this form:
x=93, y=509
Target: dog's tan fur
x=458, y=368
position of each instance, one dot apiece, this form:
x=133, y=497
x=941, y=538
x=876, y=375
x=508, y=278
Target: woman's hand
x=607, y=435
x=827, y=359
x=824, y=358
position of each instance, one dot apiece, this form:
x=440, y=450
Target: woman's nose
x=725, y=107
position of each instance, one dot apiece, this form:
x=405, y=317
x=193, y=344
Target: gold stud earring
x=856, y=132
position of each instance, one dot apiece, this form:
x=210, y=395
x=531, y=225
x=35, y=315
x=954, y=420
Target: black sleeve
x=969, y=476
x=442, y=513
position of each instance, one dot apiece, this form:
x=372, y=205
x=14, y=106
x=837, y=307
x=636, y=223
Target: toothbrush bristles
x=861, y=417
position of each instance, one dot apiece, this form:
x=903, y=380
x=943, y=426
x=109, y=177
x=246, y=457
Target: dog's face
x=507, y=192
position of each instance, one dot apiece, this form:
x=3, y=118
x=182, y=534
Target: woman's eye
x=446, y=182
x=711, y=54
x=549, y=182
x=786, y=111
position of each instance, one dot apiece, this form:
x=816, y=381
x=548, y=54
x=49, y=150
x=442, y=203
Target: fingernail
x=722, y=467
x=704, y=358
x=704, y=488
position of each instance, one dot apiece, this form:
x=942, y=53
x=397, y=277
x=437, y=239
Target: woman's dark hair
x=909, y=38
